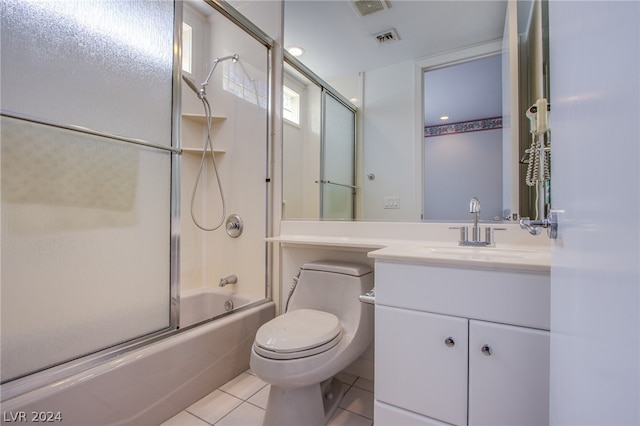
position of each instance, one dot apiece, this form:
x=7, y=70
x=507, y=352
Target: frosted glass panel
x=85, y=219
x=104, y=65
x=338, y=160
x=85, y=244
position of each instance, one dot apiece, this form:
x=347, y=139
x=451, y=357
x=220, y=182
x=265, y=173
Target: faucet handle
x=464, y=233
x=488, y=234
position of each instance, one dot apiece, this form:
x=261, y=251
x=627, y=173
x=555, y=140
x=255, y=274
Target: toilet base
x=310, y=405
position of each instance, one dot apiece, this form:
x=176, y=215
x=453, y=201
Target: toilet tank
x=333, y=286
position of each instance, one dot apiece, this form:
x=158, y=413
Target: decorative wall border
x=463, y=127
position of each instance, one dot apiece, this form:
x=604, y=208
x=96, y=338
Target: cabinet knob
x=486, y=350
x=449, y=342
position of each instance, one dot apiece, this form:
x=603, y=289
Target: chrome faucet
x=231, y=279
x=474, y=207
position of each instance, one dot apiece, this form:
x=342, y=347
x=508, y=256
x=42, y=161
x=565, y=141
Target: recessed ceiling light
x=296, y=50
x=444, y=117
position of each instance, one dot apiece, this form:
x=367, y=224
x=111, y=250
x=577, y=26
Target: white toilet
x=325, y=329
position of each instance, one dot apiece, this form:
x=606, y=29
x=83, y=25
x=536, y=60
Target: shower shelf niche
x=199, y=151
x=202, y=119
x=192, y=126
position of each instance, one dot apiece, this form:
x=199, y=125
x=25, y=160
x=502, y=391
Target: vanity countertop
x=422, y=243
x=501, y=257
x=334, y=241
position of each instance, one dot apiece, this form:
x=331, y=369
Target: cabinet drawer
x=516, y=298
x=416, y=368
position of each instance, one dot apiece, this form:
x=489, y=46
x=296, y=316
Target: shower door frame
x=324, y=178
x=47, y=375
x=253, y=30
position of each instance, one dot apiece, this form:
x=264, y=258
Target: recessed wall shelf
x=202, y=119
x=199, y=151
x=194, y=123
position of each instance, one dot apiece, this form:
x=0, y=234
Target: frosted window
x=187, y=47
x=291, y=105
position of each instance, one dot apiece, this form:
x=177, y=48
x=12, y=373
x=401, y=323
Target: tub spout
x=231, y=279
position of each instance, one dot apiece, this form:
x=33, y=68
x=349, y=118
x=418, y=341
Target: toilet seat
x=298, y=334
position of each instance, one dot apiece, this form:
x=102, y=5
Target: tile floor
x=241, y=402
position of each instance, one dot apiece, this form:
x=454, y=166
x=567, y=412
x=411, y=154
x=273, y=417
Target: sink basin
x=485, y=253
x=503, y=257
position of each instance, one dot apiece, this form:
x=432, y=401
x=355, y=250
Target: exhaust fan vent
x=385, y=37
x=367, y=7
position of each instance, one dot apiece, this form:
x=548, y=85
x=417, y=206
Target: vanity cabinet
x=461, y=346
x=424, y=361
x=508, y=375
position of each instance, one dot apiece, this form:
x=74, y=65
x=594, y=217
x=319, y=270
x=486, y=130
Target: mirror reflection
x=462, y=151
x=319, y=149
x=378, y=62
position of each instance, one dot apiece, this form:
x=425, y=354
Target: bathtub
x=151, y=384
x=204, y=303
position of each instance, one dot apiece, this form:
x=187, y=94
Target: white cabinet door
x=508, y=375
x=417, y=367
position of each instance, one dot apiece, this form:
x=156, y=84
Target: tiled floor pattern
x=241, y=402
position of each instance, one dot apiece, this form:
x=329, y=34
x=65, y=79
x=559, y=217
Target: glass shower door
x=338, y=189
x=85, y=214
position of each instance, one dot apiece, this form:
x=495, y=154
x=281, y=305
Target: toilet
x=324, y=330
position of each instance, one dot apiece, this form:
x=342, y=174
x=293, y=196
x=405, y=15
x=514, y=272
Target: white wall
x=301, y=156
x=471, y=165
x=392, y=134
x=265, y=14
x=242, y=134
x=292, y=158
x=595, y=276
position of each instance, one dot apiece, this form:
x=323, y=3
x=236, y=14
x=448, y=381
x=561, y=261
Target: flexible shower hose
x=208, y=145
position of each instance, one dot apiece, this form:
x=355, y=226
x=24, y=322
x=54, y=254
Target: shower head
x=201, y=92
x=191, y=84
x=216, y=61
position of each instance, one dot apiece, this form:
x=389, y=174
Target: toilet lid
x=298, y=330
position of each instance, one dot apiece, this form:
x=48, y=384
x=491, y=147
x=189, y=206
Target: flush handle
x=486, y=350
x=449, y=342
x=369, y=297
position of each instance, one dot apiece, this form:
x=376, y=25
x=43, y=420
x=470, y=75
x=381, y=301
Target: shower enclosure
x=100, y=146
x=319, y=148
x=237, y=92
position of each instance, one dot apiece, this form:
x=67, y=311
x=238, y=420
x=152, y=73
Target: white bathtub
x=149, y=385
x=204, y=303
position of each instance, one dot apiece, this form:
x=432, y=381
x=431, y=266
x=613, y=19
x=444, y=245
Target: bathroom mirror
x=373, y=60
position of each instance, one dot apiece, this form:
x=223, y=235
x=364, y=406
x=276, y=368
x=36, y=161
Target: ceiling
x=338, y=42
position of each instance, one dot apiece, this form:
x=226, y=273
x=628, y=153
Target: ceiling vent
x=386, y=37
x=367, y=7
